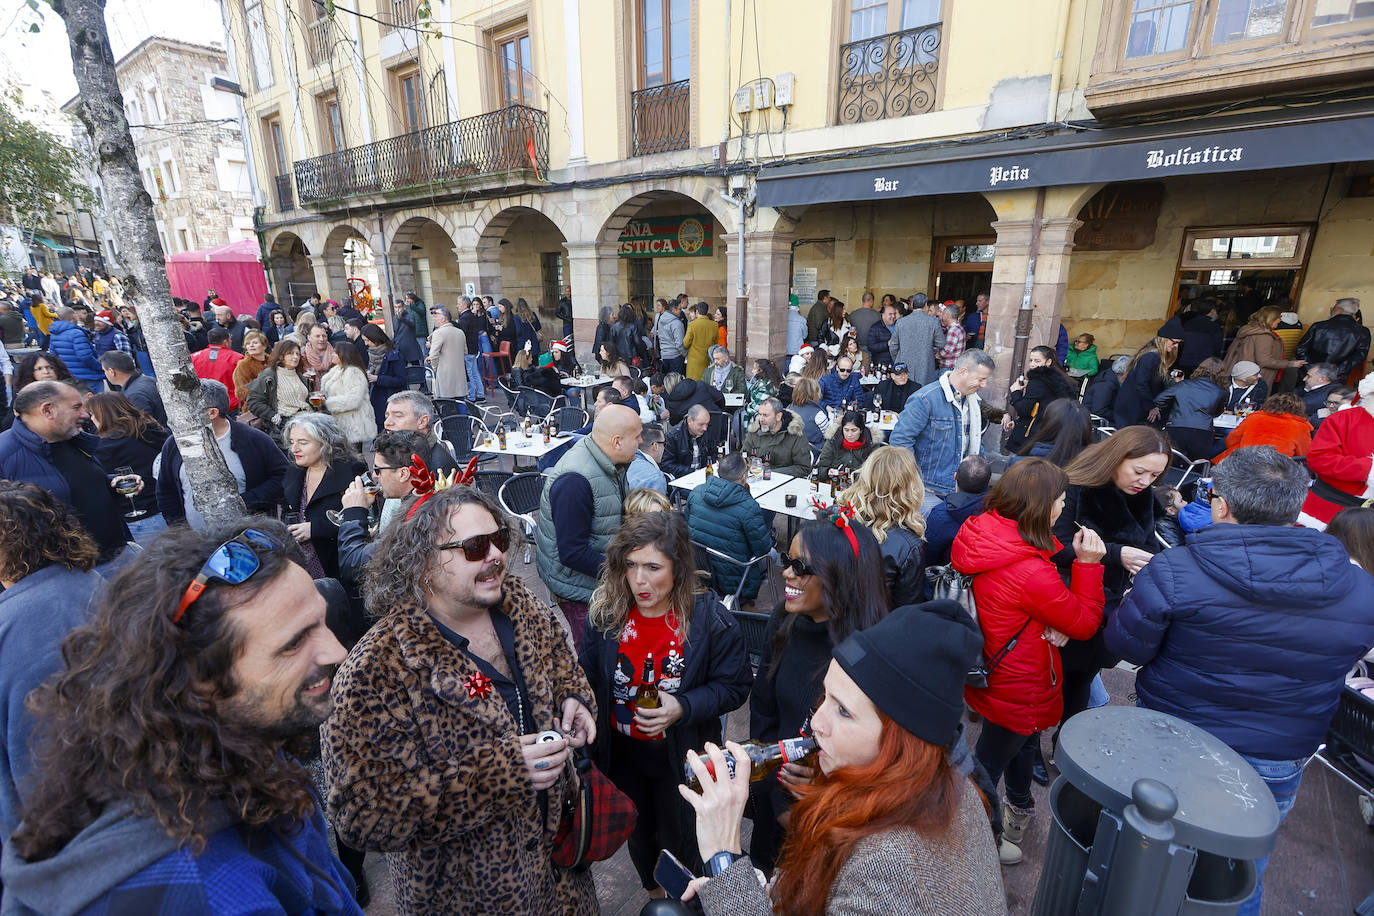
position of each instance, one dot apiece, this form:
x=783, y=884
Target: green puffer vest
x=608, y=498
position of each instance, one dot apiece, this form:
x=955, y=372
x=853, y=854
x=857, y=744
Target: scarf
x=850, y=446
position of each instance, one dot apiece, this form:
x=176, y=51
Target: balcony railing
x=662, y=118
x=500, y=141
x=319, y=40
x=889, y=76
x=399, y=14
x=286, y=198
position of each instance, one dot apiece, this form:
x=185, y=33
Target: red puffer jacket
x=1012, y=581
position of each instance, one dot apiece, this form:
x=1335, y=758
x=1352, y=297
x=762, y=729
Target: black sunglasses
x=476, y=548
x=798, y=566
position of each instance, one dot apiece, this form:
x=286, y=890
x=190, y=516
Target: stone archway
x=521, y=254
x=423, y=259
x=349, y=254
x=290, y=270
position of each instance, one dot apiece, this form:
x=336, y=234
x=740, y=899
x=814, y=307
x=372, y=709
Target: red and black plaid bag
x=597, y=817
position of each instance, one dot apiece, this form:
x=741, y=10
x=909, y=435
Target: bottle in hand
x=764, y=758
x=646, y=697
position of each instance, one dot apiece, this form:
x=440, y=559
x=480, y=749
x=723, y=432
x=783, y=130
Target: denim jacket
x=931, y=427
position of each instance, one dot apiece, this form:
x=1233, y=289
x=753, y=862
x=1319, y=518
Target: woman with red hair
x=891, y=821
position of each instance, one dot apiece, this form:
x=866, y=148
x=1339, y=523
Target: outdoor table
x=1226, y=421
x=757, y=485
x=517, y=446
x=869, y=380
x=584, y=383
x=886, y=420
x=734, y=400
x=776, y=501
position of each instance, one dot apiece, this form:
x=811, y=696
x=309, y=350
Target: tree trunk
x=213, y=489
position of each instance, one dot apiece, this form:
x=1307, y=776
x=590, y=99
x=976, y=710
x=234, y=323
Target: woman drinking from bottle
x=890, y=824
x=665, y=661
x=833, y=585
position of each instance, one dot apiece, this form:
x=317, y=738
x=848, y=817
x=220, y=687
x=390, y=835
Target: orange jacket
x=1289, y=434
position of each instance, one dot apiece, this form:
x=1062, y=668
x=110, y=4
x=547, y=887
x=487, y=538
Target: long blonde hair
x=1167, y=355
x=888, y=492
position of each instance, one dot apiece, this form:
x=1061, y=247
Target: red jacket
x=1013, y=581
x=1340, y=457
x=218, y=362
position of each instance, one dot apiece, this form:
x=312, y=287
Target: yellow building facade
x=1072, y=156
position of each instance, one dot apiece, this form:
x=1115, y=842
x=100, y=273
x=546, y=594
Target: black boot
x=1039, y=772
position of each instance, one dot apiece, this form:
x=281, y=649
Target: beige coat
x=448, y=350
x=1259, y=346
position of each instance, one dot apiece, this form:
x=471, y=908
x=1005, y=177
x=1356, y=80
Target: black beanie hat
x=912, y=665
x=1172, y=329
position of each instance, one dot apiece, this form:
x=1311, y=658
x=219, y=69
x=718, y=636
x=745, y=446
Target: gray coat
x=914, y=340
x=670, y=329
x=897, y=871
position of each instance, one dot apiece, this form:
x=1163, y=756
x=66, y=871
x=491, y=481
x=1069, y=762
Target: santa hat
x=559, y=346
x=106, y=316
x=806, y=350
x=219, y=303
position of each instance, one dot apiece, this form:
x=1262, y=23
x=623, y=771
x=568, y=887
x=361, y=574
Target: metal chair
x=519, y=496
x=489, y=482
x=1184, y=472
x=509, y=388
x=569, y=418
x=708, y=557
x=450, y=407
x=531, y=402
x=460, y=432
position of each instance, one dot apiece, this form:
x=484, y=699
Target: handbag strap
x=1010, y=644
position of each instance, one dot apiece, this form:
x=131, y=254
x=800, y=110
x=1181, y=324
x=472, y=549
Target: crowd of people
x=360, y=664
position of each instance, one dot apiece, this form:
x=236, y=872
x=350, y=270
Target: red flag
x=534, y=161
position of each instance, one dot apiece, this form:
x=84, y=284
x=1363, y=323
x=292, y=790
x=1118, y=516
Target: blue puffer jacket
x=73, y=346
x=24, y=455
x=724, y=516
x=1247, y=631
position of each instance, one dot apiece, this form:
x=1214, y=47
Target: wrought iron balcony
x=399, y=14
x=286, y=198
x=319, y=40
x=889, y=76
x=662, y=118
x=511, y=139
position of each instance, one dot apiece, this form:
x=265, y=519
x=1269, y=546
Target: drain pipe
x=741, y=302
x=386, y=276
x=1057, y=68
x=1026, y=313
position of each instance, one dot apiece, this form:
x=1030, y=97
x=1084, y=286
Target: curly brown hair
x=37, y=530
x=138, y=698
x=1285, y=403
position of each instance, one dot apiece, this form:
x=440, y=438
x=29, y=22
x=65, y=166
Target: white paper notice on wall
x=470, y=290
x=804, y=285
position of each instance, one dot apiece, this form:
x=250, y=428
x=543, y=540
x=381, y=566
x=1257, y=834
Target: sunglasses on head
x=476, y=548
x=234, y=562
x=798, y=566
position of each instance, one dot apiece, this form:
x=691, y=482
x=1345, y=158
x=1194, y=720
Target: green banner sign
x=667, y=237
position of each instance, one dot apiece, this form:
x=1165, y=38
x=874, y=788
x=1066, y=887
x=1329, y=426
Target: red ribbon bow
x=839, y=515
x=478, y=686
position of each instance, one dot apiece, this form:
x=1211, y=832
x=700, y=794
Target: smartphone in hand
x=674, y=877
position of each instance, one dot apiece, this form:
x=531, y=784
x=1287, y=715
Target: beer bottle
x=646, y=697
x=501, y=436
x=545, y=430
x=815, y=480
x=767, y=468
x=709, y=471
x=763, y=758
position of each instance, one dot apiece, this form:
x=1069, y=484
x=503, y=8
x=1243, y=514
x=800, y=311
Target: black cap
x=1172, y=329
x=912, y=665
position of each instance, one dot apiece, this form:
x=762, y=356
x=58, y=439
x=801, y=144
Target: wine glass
x=126, y=484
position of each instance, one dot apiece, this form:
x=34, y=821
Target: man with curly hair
x=431, y=748
x=207, y=665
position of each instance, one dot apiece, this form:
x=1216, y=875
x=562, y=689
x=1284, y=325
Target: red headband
x=838, y=515
x=422, y=480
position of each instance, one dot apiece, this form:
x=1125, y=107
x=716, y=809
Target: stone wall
x=197, y=132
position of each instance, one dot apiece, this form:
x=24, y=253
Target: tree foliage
x=40, y=172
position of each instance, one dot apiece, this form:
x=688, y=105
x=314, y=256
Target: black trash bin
x=1151, y=815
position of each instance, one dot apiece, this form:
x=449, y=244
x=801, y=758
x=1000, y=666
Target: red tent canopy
x=234, y=271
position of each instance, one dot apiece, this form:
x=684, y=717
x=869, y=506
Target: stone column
x=482, y=268
x=1016, y=228
x=321, y=265
x=336, y=276
x=594, y=274
x=758, y=326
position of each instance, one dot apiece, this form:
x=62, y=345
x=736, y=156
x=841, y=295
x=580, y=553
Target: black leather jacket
x=1341, y=341
x=904, y=565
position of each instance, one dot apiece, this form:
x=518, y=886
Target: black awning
x=1089, y=156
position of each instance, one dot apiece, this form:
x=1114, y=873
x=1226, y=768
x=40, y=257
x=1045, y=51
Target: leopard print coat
x=434, y=777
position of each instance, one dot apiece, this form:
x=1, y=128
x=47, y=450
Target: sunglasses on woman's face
x=476, y=548
x=798, y=566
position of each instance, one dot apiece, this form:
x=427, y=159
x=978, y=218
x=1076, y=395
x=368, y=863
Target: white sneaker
x=1008, y=853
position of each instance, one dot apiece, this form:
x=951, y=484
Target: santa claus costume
x=1342, y=457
